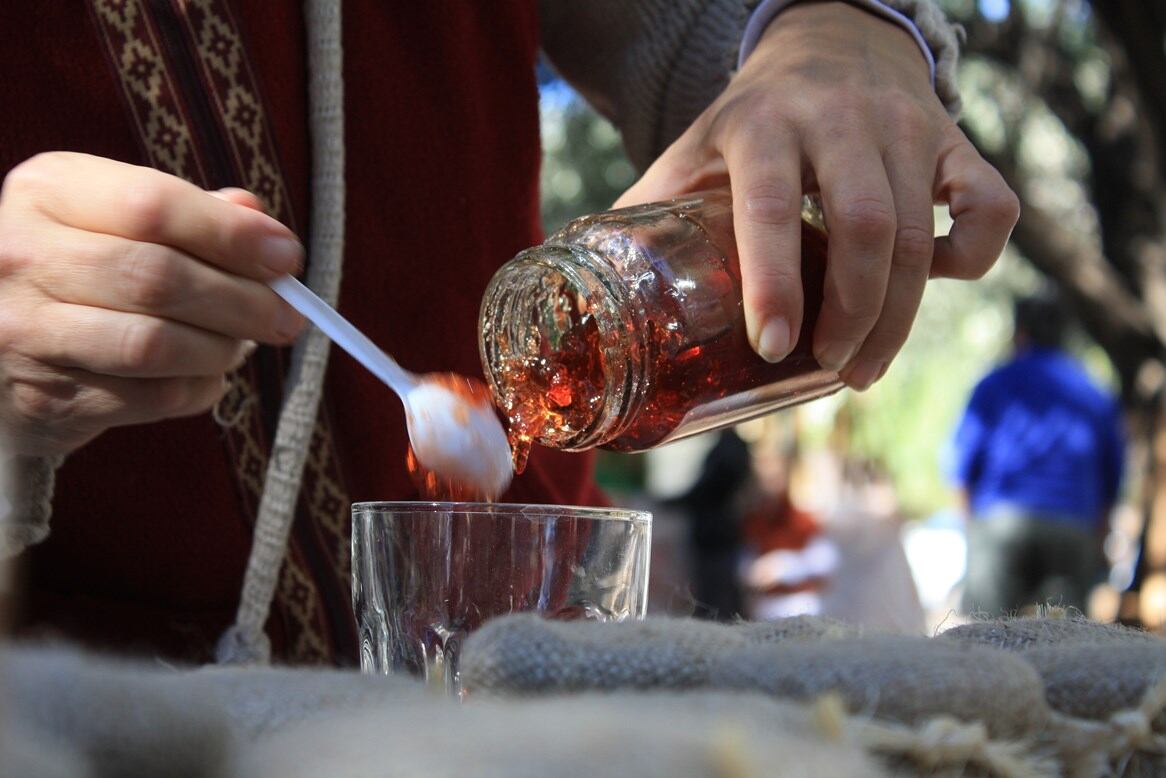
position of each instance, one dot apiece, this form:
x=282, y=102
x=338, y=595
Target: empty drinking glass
x=425, y=574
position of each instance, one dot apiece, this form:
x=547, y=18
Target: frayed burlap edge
x=937, y=743
x=1100, y=748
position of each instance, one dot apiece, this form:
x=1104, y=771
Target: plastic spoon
x=452, y=437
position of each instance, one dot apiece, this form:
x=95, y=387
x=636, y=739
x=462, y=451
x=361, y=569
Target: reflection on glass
x=424, y=575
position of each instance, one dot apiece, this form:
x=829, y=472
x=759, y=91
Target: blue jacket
x=1039, y=435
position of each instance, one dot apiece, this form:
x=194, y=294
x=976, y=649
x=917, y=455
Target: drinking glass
x=425, y=574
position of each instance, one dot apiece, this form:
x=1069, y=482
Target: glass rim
x=511, y=509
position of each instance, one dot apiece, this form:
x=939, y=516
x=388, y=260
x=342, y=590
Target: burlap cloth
x=933, y=707
x=69, y=713
x=1057, y=627
x=524, y=653
x=802, y=697
x=1105, y=684
x=643, y=734
x=72, y=714
x=1055, y=695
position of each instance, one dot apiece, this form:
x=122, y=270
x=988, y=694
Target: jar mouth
x=555, y=337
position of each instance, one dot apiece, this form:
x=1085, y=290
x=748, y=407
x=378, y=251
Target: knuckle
x=719, y=119
x=1004, y=205
x=11, y=257
x=145, y=209
x=909, y=118
x=867, y=217
x=744, y=116
x=33, y=403
x=149, y=281
x=857, y=315
x=23, y=332
x=856, y=309
x=757, y=120
x=235, y=237
x=10, y=328
x=144, y=345
x=848, y=116
x=914, y=245
x=770, y=288
x=772, y=203
x=35, y=173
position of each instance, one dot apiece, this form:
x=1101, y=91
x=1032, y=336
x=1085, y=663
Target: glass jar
x=625, y=330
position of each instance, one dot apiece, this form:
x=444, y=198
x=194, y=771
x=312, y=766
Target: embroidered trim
x=132, y=45
x=227, y=75
x=163, y=108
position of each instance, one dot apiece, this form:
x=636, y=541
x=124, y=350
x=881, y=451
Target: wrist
x=766, y=12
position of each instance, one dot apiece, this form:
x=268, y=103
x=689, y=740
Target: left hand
x=837, y=101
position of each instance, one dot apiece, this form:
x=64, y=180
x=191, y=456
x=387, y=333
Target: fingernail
x=774, y=343
x=865, y=373
x=836, y=355
x=288, y=323
x=281, y=255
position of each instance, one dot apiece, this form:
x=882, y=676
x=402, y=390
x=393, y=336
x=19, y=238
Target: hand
x=838, y=102
x=126, y=295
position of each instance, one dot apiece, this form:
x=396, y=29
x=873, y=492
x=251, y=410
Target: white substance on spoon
x=458, y=439
x=453, y=437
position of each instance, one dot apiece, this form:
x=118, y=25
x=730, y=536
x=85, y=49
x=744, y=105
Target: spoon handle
x=344, y=334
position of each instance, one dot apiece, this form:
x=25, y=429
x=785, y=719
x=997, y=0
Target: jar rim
x=517, y=286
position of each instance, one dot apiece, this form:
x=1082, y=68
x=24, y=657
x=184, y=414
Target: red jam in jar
x=625, y=330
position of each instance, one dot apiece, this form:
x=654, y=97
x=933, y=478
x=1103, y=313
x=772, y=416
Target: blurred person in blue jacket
x=1038, y=456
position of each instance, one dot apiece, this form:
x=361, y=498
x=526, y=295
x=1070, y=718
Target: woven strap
x=245, y=641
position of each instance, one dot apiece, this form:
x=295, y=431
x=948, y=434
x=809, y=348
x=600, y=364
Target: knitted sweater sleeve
x=652, y=66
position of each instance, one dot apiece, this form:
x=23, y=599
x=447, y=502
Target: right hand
x=126, y=296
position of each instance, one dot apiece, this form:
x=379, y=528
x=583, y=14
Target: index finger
x=142, y=204
x=765, y=177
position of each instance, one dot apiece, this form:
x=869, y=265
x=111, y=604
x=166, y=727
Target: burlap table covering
x=1111, y=701
x=1057, y=627
x=79, y=715
x=524, y=653
x=669, y=697
x=71, y=714
x=1054, y=695
x=898, y=694
x=656, y=734
x=1105, y=683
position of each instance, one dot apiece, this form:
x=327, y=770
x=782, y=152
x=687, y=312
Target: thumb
x=679, y=170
